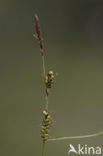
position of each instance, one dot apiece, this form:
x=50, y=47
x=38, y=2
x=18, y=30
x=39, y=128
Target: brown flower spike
x=38, y=35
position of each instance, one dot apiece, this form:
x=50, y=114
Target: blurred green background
x=73, y=42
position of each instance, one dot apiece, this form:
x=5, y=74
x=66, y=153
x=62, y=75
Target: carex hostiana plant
x=48, y=82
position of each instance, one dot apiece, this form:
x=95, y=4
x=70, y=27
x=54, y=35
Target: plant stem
x=43, y=64
x=77, y=137
x=43, y=148
x=46, y=89
x=44, y=74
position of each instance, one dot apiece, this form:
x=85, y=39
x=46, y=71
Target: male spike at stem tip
x=38, y=34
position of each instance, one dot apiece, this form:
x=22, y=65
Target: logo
x=85, y=149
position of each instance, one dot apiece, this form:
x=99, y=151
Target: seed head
x=49, y=80
x=46, y=123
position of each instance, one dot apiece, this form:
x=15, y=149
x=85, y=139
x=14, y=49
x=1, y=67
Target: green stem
x=46, y=98
x=77, y=137
x=43, y=148
x=44, y=73
x=46, y=106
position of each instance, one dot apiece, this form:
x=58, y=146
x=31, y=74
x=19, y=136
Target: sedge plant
x=48, y=78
